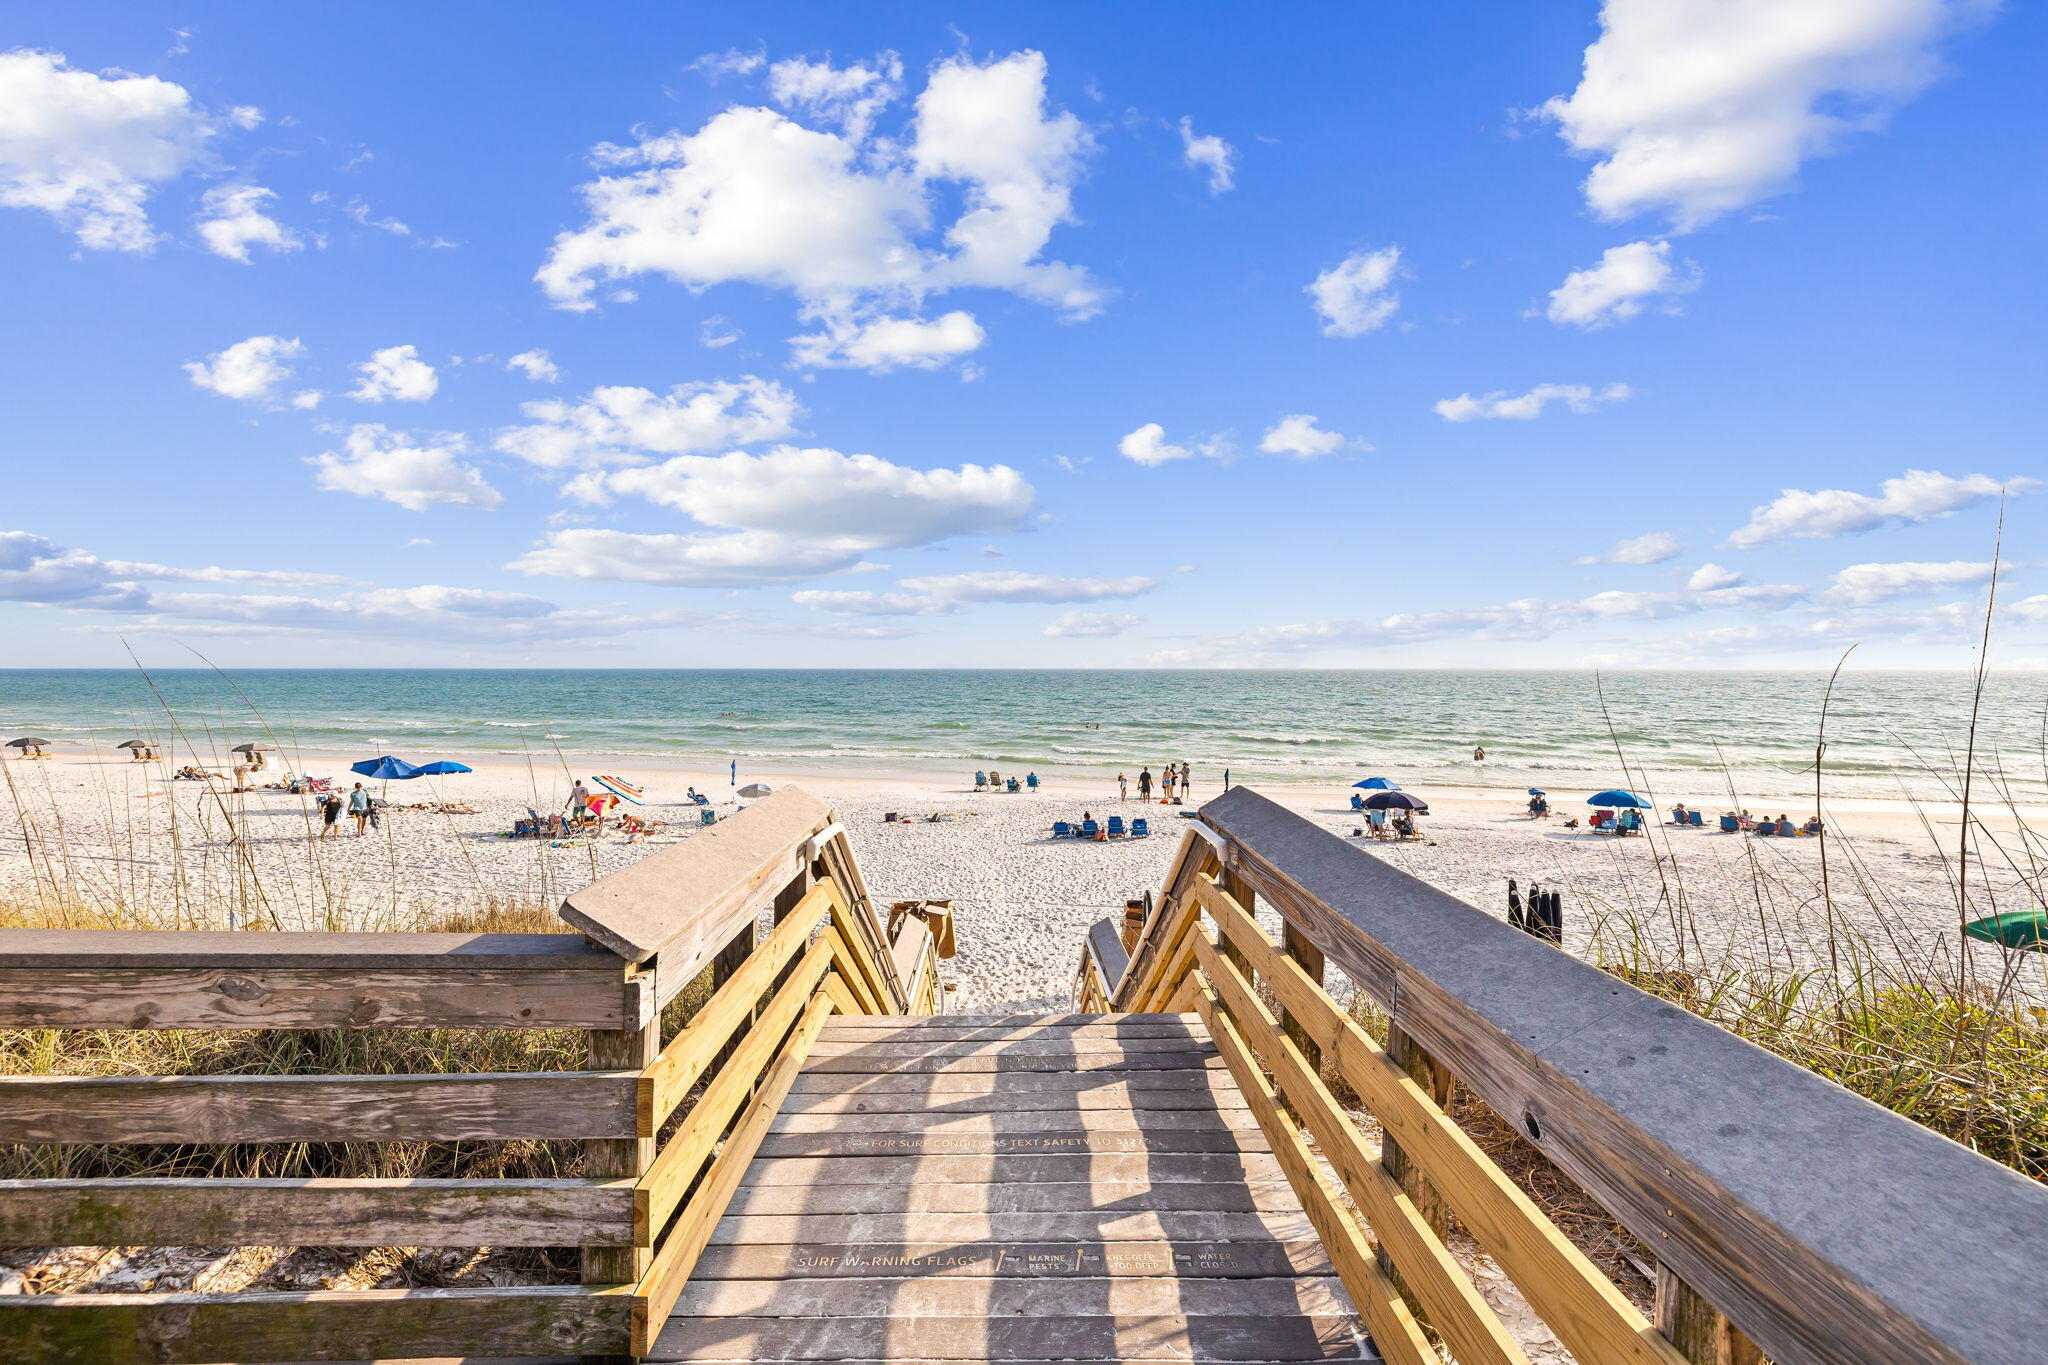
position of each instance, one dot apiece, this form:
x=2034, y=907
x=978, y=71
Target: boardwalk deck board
x=1013, y=1189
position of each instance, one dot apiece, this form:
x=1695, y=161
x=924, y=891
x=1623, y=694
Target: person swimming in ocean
x=1478, y=753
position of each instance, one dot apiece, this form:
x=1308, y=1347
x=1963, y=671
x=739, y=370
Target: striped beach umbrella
x=621, y=788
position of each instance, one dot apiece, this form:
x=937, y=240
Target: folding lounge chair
x=1061, y=829
x=1140, y=829
x=1116, y=827
x=1729, y=824
x=1089, y=829
x=1697, y=819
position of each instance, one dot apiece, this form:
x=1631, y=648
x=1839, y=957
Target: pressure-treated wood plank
x=1945, y=1268
x=700, y=1042
x=398, y=1324
x=1189, y=1261
x=1026, y=1121
x=239, y=950
x=1263, y=1338
x=1114, y=1095
x=1097, y=1061
x=1395, y=1332
x=1205, y=1077
x=842, y=997
x=947, y=1029
x=1103, y=1225
x=1006, y=1144
x=924, y=1196
x=685, y=1242
x=957, y=1297
x=1439, y=1284
x=369, y=996
x=1041, y=1046
x=341, y=1213
x=1567, y=1290
x=1053, y=1022
x=668, y=1179
x=983, y=1169
x=199, y=1109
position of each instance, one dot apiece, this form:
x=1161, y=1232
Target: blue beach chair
x=1729, y=824
x=1089, y=829
x=1116, y=827
x=1061, y=829
x=1139, y=828
x=1697, y=819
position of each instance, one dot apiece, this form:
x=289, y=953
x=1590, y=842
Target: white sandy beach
x=94, y=833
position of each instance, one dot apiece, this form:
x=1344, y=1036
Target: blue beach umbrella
x=1617, y=798
x=440, y=768
x=385, y=769
x=1379, y=784
x=1538, y=791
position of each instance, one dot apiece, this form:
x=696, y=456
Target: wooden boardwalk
x=977, y=1188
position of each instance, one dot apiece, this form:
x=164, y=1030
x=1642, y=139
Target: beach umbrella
x=753, y=789
x=735, y=773
x=621, y=788
x=2014, y=929
x=385, y=769
x=135, y=744
x=1538, y=791
x=1617, y=798
x=1395, y=800
x=1379, y=784
x=28, y=743
x=254, y=749
x=441, y=767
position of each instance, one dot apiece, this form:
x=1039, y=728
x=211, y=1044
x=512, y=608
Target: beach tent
x=1617, y=798
x=2014, y=929
x=1395, y=800
x=1379, y=784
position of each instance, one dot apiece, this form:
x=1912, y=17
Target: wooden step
x=1024, y=1121
x=1039, y=1337
x=983, y=1169
x=999, y=1095
x=958, y=1297
x=1007, y=1144
x=982, y=1059
x=1009, y=1260
x=1094, y=1225
x=1035, y=1045
x=1009, y=1196
x=982, y=1083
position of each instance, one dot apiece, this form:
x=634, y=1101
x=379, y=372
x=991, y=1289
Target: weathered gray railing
x=642, y=1209
x=1787, y=1215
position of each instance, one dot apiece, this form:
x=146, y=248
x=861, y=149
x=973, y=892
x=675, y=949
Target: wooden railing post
x=1240, y=891
x=1697, y=1328
x=1438, y=1083
x=626, y=1049
x=1296, y=945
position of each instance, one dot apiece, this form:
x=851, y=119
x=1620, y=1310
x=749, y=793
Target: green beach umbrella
x=2014, y=929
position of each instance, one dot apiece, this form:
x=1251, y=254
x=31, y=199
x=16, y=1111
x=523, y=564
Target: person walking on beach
x=579, y=799
x=359, y=807
x=1186, y=778
x=1123, y=788
x=330, y=813
x=1144, y=784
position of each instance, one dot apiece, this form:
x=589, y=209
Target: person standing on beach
x=1186, y=778
x=330, y=813
x=1123, y=788
x=579, y=799
x=1144, y=784
x=359, y=807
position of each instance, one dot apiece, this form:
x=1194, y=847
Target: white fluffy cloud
x=851, y=96
x=1698, y=108
x=234, y=219
x=884, y=343
x=1527, y=406
x=535, y=365
x=396, y=373
x=415, y=474
x=1148, y=446
x=783, y=515
x=1298, y=435
x=1862, y=584
x=844, y=222
x=1015, y=585
x=1915, y=496
x=1090, y=624
x=1653, y=548
x=1356, y=295
x=1707, y=577
x=251, y=369
x=90, y=149
x=1614, y=290
x=1210, y=155
x=626, y=425
x=848, y=603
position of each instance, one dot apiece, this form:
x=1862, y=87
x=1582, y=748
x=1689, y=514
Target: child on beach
x=1123, y=788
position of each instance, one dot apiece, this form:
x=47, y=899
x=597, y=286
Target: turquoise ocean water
x=1681, y=733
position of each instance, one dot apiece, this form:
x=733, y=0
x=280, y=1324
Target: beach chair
x=1116, y=827
x=1697, y=819
x=1357, y=801
x=707, y=817
x=1089, y=829
x=1730, y=825
x=1061, y=829
x=1140, y=829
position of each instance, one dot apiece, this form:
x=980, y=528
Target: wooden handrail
x=1702, y=1145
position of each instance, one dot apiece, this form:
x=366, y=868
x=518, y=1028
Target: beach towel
x=621, y=788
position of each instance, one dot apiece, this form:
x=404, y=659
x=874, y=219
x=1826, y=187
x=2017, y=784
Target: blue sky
x=1658, y=335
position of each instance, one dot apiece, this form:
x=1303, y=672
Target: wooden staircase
x=980, y=1188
